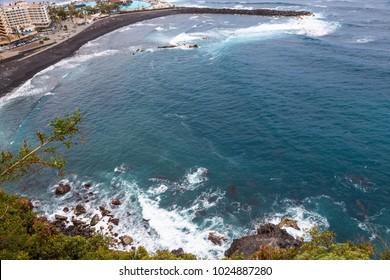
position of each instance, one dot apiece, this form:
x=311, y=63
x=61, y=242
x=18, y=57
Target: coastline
x=15, y=72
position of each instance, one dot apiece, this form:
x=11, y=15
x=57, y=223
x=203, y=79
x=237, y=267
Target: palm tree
x=115, y=7
x=16, y=31
x=9, y=40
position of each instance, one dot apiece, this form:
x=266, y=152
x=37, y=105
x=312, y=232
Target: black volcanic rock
x=267, y=235
x=62, y=189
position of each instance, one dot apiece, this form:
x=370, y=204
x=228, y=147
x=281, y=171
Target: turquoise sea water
x=269, y=117
x=136, y=5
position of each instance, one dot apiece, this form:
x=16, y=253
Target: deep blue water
x=269, y=117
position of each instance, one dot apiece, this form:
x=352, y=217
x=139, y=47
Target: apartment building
x=39, y=15
x=4, y=26
x=22, y=14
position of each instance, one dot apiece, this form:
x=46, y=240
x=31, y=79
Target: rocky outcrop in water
x=79, y=209
x=179, y=45
x=114, y=221
x=217, y=239
x=95, y=220
x=126, y=240
x=286, y=222
x=116, y=202
x=60, y=217
x=62, y=189
x=267, y=235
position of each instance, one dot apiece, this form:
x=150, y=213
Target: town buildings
x=21, y=16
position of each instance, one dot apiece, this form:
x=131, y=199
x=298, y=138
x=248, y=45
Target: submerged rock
x=358, y=181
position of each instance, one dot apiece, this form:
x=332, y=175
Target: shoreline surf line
x=14, y=73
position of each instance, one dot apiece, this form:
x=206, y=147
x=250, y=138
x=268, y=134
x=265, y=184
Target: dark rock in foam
x=267, y=235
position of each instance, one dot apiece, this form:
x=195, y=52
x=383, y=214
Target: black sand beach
x=13, y=73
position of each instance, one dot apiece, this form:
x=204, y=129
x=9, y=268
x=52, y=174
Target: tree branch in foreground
x=45, y=154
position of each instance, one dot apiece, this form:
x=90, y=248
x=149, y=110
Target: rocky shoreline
x=72, y=221
x=13, y=73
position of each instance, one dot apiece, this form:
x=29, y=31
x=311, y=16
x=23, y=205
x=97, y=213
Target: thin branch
x=24, y=158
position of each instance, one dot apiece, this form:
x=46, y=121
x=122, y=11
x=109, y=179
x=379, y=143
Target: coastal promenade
x=15, y=72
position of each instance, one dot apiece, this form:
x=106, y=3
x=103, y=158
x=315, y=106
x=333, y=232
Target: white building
x=39, y=15
x=20, y=15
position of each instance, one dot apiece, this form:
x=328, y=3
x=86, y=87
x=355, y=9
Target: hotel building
x=21, y=15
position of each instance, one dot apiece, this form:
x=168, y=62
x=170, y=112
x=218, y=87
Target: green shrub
x=323, y=246
x=385, y=255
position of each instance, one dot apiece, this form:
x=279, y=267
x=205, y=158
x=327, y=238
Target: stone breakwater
x=255, y=12
x=14, y=73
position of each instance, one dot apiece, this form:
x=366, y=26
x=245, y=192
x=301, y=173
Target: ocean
x=267, y=118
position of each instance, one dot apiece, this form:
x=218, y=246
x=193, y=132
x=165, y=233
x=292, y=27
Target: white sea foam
x=141, y=216
x=305, y=219
x=159, y=190
x=306, y=26
x=93, y=43
x=123, y=168
x=197, y=177
x=24, y=90
x=43, y=81
x=145, y=24
x=160, y=28
x=76, y=60
x=124, y=29
x=175, y=229
x=364, y=40
x=184, y=38
x=242, y=7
